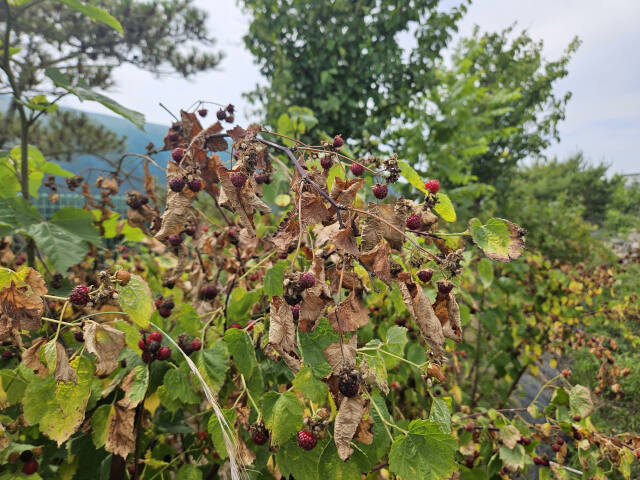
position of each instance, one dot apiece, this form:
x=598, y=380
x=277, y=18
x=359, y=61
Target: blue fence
x=47, y=209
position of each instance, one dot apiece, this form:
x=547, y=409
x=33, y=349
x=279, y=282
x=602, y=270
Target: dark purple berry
x=175, y=240
x=259, y=434
x=380, y=191
x=230, y=118
x=306, y=440
x=349, y=384
x=209, y=292
x=261, y=178
x=78, y=336
x=221, y=114
x=413, y=222
x=177, y=154
x=195, y=185
x=425, y=275
x=203, y=112
x=164, y=312
x=338, y=141
x=196, y=344
x=326, y=162
x=147, y=357
x=307, y=280
x=163, y=353
x=295, y=310
x=230, y=108
x=190, y=230
x=79, y=295
x=176, y=184
x=444, y=286
x=238, y=180
x=153, y=347
x=356, y=169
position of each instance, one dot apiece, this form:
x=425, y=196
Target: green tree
x=494, y=107
x=345, y=60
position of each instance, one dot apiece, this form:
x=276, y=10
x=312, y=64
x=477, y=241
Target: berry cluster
x=152, y=348
x=226, y=114
x=177, y=184
x=189, y=346
x=165, y=307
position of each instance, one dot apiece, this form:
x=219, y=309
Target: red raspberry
x=164, y=353
x=203, y=112
x=338, y=141
x=202, y=435
x=175, y=240
x=205, y=229
x=259, y=434
x=295, y=310
x=79, y=295
x=158, y=302
x=326, y=162
x=155, y=337
x=469, y=427
x=566, y=373
x=142, y=344
x=238, y=180
x=196, y=344
x=525, y=440
x=236, y=325
x=30, y=467
x=195, y=185
x=164, y=312
x=413, y=222
x=555, y=448
x=7, y=355
x=380, y=191
x=177, y=154
x=307, y=280
x=356, y=169
x=221, y=114
x=425, y=275
x=176, y=184
x=306, y=440
x=432, y=185
x=147, y=357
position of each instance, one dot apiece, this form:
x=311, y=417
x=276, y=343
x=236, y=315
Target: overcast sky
x=603, y=117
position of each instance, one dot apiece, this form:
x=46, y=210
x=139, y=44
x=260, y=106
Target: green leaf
x=485, y=270
x=285, y=417
x=330, y=466
x=136, y=300
x=60, y=245
x=294, y=462
x=336, y=171
x=139, y=385
x=424, y=452
x=179, y=386
x=79, y=222
x=513, y=458
x=274, y=279
x=412, y=176
x=498, y=238
x=444, y=208
x=213, y=364
x=312, y=343
x=240, y=303
x=440, y=414
x=50, y=355
x=96, y=14
x=59, y=409
x=84, y=92
x=396, y=339
x=242, y=350
x=309, y=386
x=99, y=424
x=215, y=430
x=189, y=472
x=580, y=401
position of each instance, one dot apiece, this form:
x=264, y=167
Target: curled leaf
x=121, y=439
x=447, y=310
x=346, y=424
x=31, y=358
x=349, y=315
x=341, y=356
x=106, y=343
x=282, y=332
x=498, y=238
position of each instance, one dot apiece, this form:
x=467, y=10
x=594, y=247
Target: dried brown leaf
x=121, y=438
x=346, y=424
x=364, y=432
x=24, y=307
x=345, y=240
x=373, y=230
x=282, y=332
x=64, y=372
x=316, y=299
x=447, y=310
x=344, y=192
x=106, y=343
x=420, y=309
x=349, y=315
x=377, y=261
x=31, y=358
x=341, y=357
x=313, y=209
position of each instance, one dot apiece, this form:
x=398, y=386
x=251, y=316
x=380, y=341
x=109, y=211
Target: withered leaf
x=64, y=372
x=121, y=438
x=35, y=280
x=127, y=383
x=377, y=261
x=31, y=358
x=190, y=124
x=341, y=357
x=349, y=315
x=232, y=197
x=373, y=230
x=371, y=378
x=316, y=299
x=313, y=209
x=245, y=454
x=346, y=424
x=364, y=433
x=178, y=211
x=344, y=192
x=22, y=306
x=287, y=233
x=345, y=241
x=105, y=343
x=282, y=332
x=420, y=309
x=447, y=310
